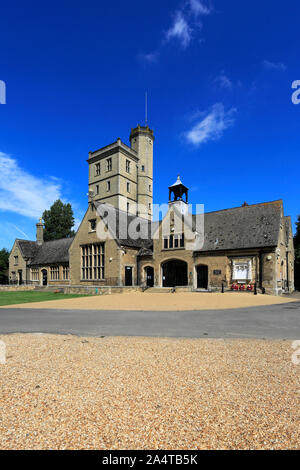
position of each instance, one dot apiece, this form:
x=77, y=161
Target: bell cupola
x=178, y=192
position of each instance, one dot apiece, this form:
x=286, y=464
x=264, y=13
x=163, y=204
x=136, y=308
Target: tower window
x=97, y=189
x=143, y=167
x=109, y=164
x=127, y=206
x=108, y=186
x=150, y=188
x=128, y=166
x=128, y=187
x=149, y=206
x=97, y=169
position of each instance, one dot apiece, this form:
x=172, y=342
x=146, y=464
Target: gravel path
x=180, y=301
x=65, y=392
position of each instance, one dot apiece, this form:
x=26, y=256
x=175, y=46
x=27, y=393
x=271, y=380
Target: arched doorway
x=149, y=275
x=202, y=277
x=44, y=277
x=174, y=273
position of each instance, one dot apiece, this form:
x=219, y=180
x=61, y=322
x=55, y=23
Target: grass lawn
x=15, y=297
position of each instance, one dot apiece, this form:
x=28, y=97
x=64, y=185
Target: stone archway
x=174, y=273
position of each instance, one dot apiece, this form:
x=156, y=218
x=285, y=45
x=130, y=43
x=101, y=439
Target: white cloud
x=150, y=58
x=23, y=193
x=199, y=8
x=180, y=30
x=279, y=66
x=222, y=81
x=212, y=125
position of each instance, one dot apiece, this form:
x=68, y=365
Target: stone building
x=118, y=244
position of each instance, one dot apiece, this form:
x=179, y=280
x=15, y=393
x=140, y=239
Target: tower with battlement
x=123, y=176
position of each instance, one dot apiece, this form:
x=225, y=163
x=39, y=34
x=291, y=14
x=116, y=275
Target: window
x=149, y=206
x=54, y=273
x=173, y=241
x=108, y=186
x=34, y=274
x=128, y=206
x=66, y=273
x=97, y=189
x=128, y=166
x=97, y=169
x=128, y=187
x=182, y=241
x=16, y=260
x=242, y=271
x=150, y=188
x=143, y=167
x=93, y=225
x=92, y=262
x=109, y=164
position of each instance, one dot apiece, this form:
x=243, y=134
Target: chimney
x=40, y=232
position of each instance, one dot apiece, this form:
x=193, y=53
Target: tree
x=59, y=221
x=297, y=254
x=4, y=257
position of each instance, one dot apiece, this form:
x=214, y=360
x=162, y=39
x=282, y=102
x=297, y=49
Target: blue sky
x=218, y=75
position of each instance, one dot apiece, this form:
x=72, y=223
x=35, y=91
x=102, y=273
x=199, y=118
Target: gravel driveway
x=65, y=392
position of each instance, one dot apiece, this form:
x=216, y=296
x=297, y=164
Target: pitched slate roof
x=251, y=226
x=52, y=252
x=28, y=248
x=120, y=224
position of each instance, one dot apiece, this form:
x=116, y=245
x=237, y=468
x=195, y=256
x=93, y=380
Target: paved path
x=271, y=322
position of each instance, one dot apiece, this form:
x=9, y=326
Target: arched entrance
x=174, y=273
x=44, y=277
x=149, y=276
x=202, y=276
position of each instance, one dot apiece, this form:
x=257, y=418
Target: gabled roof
x=120, y=225
x=52, y=252
x=28, y=248
x=251, y=226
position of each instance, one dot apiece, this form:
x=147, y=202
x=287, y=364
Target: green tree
x=297, y=254
x=59, y=221
x=4, y=255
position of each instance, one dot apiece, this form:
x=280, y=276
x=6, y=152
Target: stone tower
x=123, y=176
x=141, y=140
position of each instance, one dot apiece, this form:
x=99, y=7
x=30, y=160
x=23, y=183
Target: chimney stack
x=40, y=232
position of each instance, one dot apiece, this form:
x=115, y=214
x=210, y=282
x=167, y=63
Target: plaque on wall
x=217, y=272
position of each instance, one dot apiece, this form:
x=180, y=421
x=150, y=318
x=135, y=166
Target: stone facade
x=123, y=176
x=244, y=246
